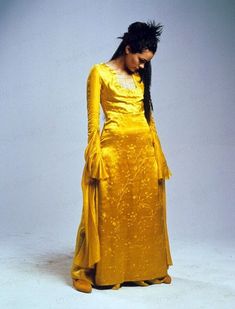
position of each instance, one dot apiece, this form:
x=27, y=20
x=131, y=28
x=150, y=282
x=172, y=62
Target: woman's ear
x=127, y=49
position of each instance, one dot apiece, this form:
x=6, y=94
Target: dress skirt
x=129, y=210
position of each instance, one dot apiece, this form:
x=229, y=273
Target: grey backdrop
x=47, y=49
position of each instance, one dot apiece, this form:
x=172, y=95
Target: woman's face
x=136, y=61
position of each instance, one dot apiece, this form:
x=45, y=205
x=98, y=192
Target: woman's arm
x=93, y=155
x=93, y=101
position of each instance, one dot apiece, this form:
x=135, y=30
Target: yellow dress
x=122, y=234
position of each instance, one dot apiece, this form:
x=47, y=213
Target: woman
x=122, y=236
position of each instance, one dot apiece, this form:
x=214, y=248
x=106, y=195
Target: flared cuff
x=93, y=157
x=164, y=171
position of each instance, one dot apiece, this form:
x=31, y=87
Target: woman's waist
x=116, y=121
x=121, y=107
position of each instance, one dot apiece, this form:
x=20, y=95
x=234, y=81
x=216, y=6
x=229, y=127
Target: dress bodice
x=114, y=96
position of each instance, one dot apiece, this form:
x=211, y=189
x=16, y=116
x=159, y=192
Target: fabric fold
x=164, y=171
x=87, y=251
x=93, y=157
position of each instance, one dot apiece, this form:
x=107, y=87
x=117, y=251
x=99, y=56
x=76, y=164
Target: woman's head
x=136, y=61
x=139, y=45
x=141, y=39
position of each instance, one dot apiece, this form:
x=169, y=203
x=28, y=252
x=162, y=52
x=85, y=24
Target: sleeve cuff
x=93, y=157
x=164, y=171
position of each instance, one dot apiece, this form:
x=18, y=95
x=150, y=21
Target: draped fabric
x=124, y=212
x=163, y=170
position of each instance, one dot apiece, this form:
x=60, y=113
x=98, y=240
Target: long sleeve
x=87, y=251
x=163, y=170
x=93, y=155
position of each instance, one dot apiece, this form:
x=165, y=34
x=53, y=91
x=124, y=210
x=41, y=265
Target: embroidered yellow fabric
x=122, y=235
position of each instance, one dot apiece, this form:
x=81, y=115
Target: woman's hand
x=93, y=181
x=160, y=181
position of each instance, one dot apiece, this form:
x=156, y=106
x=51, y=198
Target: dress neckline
x=114, y=72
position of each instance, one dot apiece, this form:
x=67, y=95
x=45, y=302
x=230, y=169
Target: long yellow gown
x=122, y=235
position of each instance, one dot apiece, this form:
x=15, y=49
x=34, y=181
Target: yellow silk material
x=122, y=234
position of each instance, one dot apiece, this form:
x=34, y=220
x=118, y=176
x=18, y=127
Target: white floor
x=35, y=274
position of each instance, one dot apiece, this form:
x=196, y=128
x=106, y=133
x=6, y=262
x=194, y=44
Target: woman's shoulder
x=100, y=69
x=97, y=66
x=94, y=71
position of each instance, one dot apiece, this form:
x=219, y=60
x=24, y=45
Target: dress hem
x=130, y=280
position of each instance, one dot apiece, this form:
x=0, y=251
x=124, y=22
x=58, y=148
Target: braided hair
x=141, y=36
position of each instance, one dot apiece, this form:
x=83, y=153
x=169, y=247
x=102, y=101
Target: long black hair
x=141, y=36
